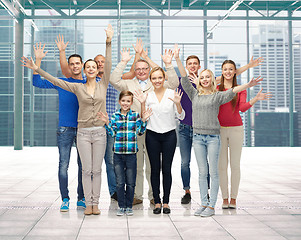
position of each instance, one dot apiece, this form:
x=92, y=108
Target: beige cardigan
x=88, y=106
x=133, y=84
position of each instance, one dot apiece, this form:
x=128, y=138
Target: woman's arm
x=108, y=57
x=172, y=81
x=252, y=83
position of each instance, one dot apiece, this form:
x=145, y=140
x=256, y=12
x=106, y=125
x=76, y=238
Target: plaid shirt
x=111, y=98
x=125, y=129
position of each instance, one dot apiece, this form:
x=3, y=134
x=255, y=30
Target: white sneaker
x=199, y=211
x=208, y=212
x=120, y=212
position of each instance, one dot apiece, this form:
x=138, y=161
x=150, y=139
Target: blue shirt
x=68, y=104
x=125, y=129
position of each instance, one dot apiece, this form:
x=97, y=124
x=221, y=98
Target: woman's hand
x=140, y=96
x=109, y=33
x=255, y=81
x=257, y=62
x=103, y=117
x=146, y=114
x=177, y=96
x=167, y=57
x=29, y=63
x=194, y=79
x=263, y=96
x=176, y=51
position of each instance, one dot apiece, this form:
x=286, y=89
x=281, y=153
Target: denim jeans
x=206, y=148
x=125, y=166
x=66, y=137
x=185, y=144
x=110, y=165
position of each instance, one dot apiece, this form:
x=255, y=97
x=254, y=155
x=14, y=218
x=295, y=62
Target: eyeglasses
x=141, y=69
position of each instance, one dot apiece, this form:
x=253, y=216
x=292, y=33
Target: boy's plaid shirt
x=125, y=129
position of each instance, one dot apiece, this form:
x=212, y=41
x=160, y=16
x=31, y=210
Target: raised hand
x=256, y=62
x=177, y=96
x=140, y=96
x=255, y=81
x=176, y=51
x=103, y=117
x=125, y=55
x=146, y=114
x=144, y=53
x=29, y=63
x=139, y=46
x=109, y=33
x=39, y=51
x=60, y=43
x=263, y=96
x=194, y=78
x=167, y=57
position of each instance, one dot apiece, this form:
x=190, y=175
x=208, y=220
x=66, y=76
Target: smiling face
x=75, y=65
x=206, y=80
x=100, y=63
x=142, y=70
x=193, y=66
x=90, y=69
x=228, y=71
x=125, y=103
x=157, y=78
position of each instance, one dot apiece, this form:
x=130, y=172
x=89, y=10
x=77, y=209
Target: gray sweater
x=205, y=108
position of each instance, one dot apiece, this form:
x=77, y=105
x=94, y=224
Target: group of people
x=143, y=131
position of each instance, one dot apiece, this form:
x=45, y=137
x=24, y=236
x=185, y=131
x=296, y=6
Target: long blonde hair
x=213, y=83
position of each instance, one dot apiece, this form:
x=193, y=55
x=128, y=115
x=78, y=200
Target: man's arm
x=63, y=60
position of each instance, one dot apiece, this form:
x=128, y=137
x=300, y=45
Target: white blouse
x=164, y=114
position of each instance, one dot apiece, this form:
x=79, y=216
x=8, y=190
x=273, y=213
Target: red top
x=229, y=118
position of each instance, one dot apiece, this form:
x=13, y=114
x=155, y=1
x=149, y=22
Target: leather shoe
x=166, y=210
x=157, y=210
x=137, y=201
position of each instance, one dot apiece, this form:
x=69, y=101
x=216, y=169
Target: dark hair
x=193, y=57
x=89, y=60
x=126, y=93
x=155, y=70
x=141, y=60
x=234, y=83
x=75, y=55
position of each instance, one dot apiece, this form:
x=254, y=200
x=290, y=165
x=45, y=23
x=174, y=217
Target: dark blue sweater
x=68, y=104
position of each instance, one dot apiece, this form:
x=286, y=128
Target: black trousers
x=161, y=149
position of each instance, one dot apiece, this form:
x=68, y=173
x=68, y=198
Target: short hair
x=193, y=57
x=141, y=60
x=155, y=70
x=99, y=55
x=199, y=86
x=89, y=60
x=75, y=55
x=126, y=93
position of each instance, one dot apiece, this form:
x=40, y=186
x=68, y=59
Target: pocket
x=61, y=130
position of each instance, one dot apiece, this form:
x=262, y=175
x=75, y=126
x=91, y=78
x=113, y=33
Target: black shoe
x=186, y=198
x=166, y=210
x=157, y=210
x=114, y=196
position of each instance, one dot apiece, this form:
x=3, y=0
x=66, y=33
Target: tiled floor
x=269, y=202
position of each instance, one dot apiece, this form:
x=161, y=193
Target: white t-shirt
x=163, y=118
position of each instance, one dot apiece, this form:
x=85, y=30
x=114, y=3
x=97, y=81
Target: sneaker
x=137, y=201
x=199, y=211
x=65, y=205
x=120, y=212
x=114, y=196
x=129, y=211
x=208, y=212
x=186, y=198
x=81, y=203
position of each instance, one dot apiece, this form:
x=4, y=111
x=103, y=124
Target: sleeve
x=111, y=128
x=243, y=105
x=115, y=78
x=188, y=88
x=225, y=96
x=71, y=87
x=180, y=116
x=108, y=64
x=37, y=81
x=173, y=81
x=141, y=126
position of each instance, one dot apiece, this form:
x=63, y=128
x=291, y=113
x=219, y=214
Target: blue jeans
x=125, y=166
x=206, y=148
x=185, y=144
x=110, y=165
x=66, y=137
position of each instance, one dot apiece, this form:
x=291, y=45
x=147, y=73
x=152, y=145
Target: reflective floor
x=269, y=202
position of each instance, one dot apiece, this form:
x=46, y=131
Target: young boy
x=125, y=125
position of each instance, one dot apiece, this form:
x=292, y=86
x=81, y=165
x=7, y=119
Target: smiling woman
x=91, y=134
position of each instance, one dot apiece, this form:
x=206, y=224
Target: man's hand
x=60, y=43
x=39, y=51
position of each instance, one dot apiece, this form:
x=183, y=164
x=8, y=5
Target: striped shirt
x=125, y=129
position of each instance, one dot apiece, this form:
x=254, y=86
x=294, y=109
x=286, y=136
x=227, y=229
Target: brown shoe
x=152, y=201
x=137, y=201
x=95, y=210
x=88, y=210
